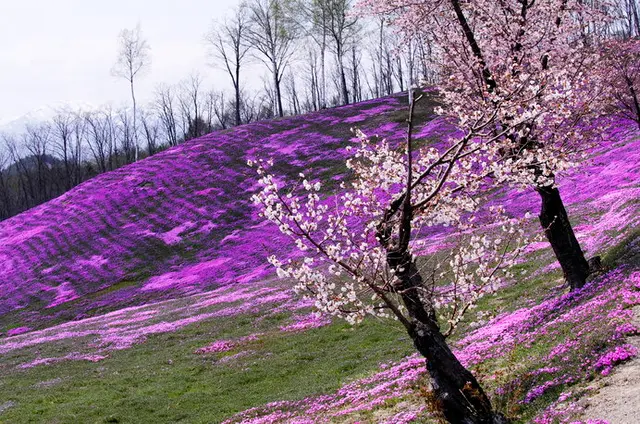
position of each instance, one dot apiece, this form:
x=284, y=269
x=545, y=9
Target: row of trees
x=315, y=54
x=318, y=53
x=528, y=83
x=52, y=157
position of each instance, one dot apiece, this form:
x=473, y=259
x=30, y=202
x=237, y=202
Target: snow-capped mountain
x=17, y=125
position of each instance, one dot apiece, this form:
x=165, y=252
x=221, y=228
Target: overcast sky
x=61, y=51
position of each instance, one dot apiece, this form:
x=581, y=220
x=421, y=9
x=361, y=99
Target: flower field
x=172, y=223
x=145, y=295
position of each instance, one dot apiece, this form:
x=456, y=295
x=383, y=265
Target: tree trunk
x=276, y=83
x=237, y=89
x=634, y=97
x=356, y=96
x=458, y=395
x=636, y=18
x=557, y=228
x=343, y=77
x=135, y=123
x=323, y=70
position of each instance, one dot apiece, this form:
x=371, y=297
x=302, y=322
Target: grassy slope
x=101, y=245
x=162, y=380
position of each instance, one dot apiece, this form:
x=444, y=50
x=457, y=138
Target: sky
x=61, y=52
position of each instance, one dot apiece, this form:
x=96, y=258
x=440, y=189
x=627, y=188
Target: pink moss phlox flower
x=306, y=322
x=74, y=356
x=226, y=345
x=217, y=346
x=614, y=356
x=17, y=331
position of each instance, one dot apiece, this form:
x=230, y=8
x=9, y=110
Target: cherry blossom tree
x=358, y=250
x=622, y=63
x=534, y=63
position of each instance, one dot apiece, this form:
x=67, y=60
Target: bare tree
x=190, y=98
x=79, y=135
x=342, y=28
x=292, y=93
x=125, y=133
x=330, y=25
x=228, y=45
x=99, y=139
x=272, y=33
x=66, y=147
x=133, y=57
x=313, y=96
x=24, y=177
x=6, y=200
x=36, y=142
x=312, y=17
x=356, y=82
x=150, y=129
x=165, y=108
x=222, y=115
x=256, y=108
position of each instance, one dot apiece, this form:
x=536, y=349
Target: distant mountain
x=17, y=125
x=31, y=164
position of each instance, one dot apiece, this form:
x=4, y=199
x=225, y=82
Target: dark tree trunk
x=557, y=228
x=458, y=395
x=634, y=97
x=343, y=77
x=276, y=83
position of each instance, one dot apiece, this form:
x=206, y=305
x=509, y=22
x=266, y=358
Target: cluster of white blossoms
x=344, y=264
x=479, y=265
x=534, y=63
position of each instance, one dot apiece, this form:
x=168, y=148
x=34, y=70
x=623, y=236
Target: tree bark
x=558, y=230
x=634, y=97
x=343, y=77
x=135, y=123
x=458, y=395
x=276, y=83
x=237, y=90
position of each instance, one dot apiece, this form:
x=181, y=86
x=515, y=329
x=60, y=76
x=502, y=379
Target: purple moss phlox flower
x=307, y=322
x=614, y=356
x=17, y=331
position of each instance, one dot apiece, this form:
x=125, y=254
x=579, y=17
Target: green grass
x=162, y=380
x=625, y=252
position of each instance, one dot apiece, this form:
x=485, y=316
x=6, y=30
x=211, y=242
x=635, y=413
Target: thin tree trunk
x=237, y=87
x=558, y=230
x=135, y=127
x=276, y=82
x=323, y=70
x=356, y=96
x=636, y=18
x=343, y=77
x=343, y=84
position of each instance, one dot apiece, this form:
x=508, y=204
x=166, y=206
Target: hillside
x=173, y=222
x=144, y=294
